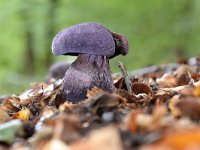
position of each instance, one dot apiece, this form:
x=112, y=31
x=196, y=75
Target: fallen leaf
x=23, y=115
x=178, y=140
x=167, y=80
x=138, y=88
x=196, y=91
x=4, y=117
x=172, y=106
x=190, y=107
x=106, y=138
x=130, y=122
x=55, y=144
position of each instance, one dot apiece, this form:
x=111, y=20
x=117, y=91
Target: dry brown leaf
x=55, y=144
x=184, y=90
x=159, y=112
x=131, y=98
x=43, y=135
x=41, y=93
x=105, y=101
x=156, y=121
x=11, y=104
x=106, y=138
x=95, y=92
x=180, y=140
x=172, y=106
x=167, y=81
x=98, y=98
x=68, y=107
x=190, y=107
x=184, y=69
x=196, y=76
x=119, y=82
x=183, y=79
x=130, y=122
x=4, y=117
x=139, y=88
x=196, y=91
x=66, y=127
x=22, y=115
x=47, y=112
x=160, y=117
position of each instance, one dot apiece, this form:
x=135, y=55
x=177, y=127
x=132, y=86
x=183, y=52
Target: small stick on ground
x=126, y=77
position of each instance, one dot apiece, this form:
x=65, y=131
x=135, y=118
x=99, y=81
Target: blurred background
x=158, y=32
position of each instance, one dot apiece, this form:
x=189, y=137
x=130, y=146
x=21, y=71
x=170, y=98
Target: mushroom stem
x=86, y=72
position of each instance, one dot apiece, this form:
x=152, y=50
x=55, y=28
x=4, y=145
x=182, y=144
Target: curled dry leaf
x=11, y=104
x=139, y=88
x=103, y=99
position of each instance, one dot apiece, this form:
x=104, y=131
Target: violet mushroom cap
x=94, y=45
x=86, y=38
x=90, y=38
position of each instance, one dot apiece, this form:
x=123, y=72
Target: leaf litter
x=157, y=107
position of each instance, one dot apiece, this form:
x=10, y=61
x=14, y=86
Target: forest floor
x=154, y=108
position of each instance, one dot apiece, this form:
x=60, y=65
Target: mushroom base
x=86, y=72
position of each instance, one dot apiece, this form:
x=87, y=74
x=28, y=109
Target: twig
x=126, y=77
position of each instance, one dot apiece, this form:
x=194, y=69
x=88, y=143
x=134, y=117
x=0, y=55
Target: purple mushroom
x=57, y=70
x=94, y=45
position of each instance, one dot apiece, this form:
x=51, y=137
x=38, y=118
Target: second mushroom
x=94, y=45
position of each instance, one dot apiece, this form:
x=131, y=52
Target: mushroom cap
x=57, y=70
x=88, y=38
x=121, y=44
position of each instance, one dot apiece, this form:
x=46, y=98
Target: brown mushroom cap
x=88, y=38
x=121, y=44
